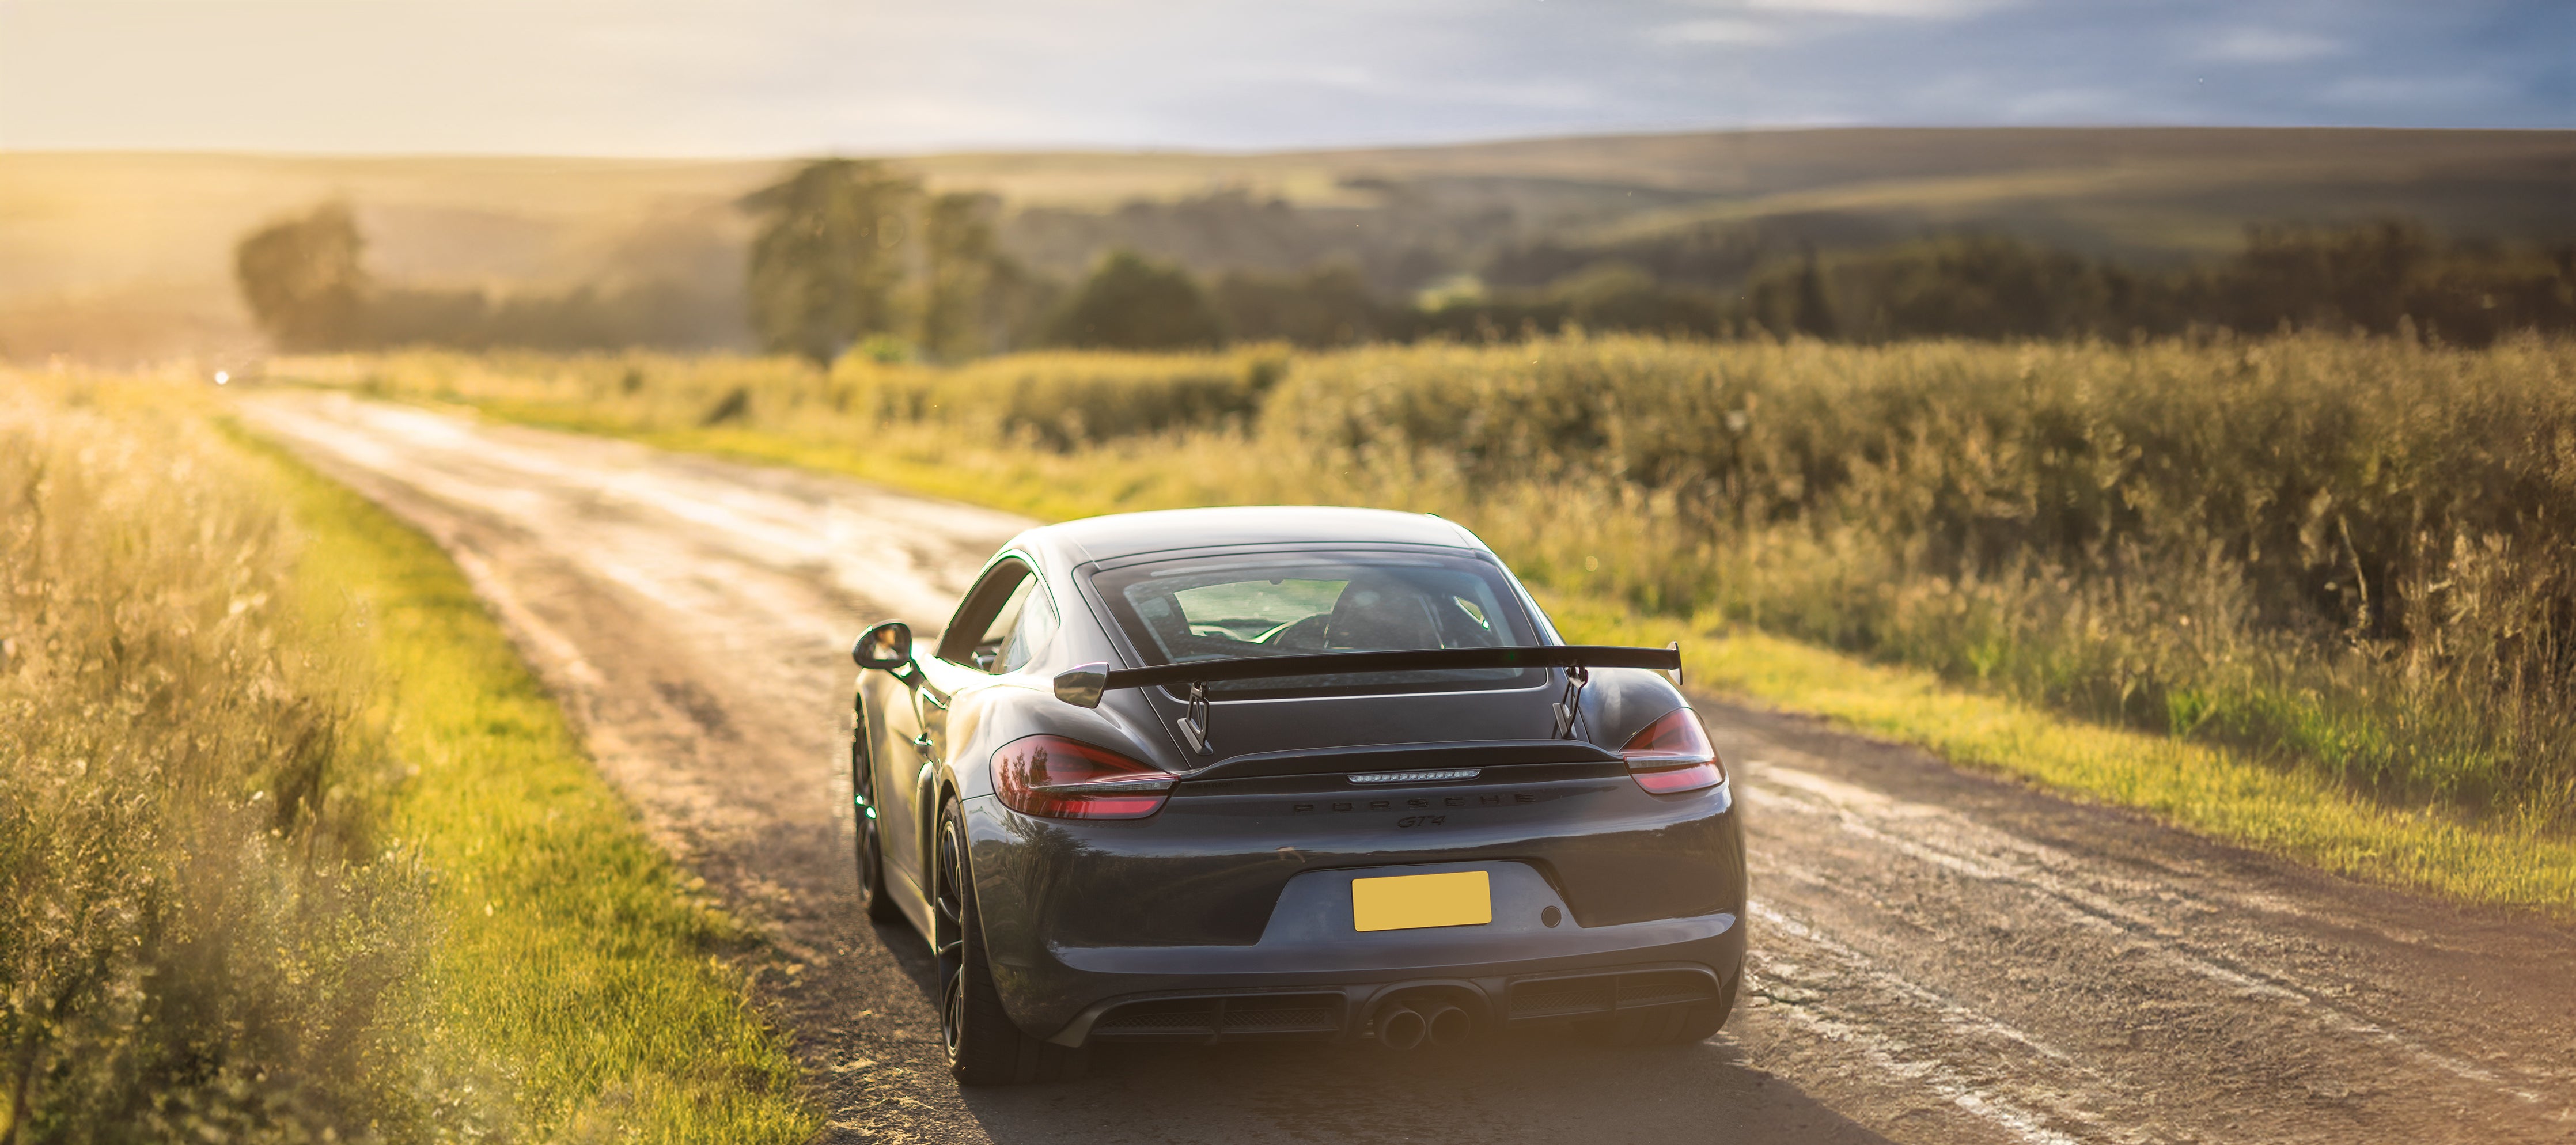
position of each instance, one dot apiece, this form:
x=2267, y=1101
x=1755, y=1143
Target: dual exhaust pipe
x=1406, y=1025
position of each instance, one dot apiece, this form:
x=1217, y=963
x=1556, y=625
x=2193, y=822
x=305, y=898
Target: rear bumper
x=1671, y=962
x=1310, y=974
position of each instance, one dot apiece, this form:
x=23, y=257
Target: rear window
x=1175, y=612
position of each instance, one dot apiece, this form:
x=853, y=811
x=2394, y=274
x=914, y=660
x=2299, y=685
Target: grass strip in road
x=574, y=959
x=1033, y=486
x=2202, y=788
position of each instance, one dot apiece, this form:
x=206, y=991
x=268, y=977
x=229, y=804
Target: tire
x=984, y=1046
x=1675, y=1025
x=870, y=842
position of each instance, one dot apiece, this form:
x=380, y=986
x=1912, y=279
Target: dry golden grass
x=295, y=848
x=203, y=930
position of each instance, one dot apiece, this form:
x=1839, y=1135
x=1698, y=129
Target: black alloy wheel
x=871, y=837
x=984, y=1046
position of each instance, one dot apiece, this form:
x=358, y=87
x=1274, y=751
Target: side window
x=997, y=632
x=1035, y=627
x=992, y=607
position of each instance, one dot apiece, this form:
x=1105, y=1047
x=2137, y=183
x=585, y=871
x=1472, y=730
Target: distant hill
x=128, y=255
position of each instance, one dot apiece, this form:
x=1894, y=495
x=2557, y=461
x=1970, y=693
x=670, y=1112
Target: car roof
x=1132, y=534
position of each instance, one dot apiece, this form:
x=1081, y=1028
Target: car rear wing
x=1083, y=686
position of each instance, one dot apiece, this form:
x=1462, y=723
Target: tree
x=1328, y=305
x=1622, y=296
x=958, y=274
x=303, y=280
x=829, y=256
x=1812, y=313
x=1132, y=304
x=1794, y=298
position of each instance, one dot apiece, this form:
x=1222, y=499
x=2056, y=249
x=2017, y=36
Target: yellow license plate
x=1411, y=902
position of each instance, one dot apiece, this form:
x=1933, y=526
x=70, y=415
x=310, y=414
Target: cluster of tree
x=2376, y=278
x=306, y=282
x=1395, y=235
x=665, y=314
x=1715, y=255
x=1130, y=302
x=852, y=253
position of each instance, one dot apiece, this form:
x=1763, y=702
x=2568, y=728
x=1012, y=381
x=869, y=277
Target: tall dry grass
x=2357, y=554
x=2350, y=555
x=201, y=938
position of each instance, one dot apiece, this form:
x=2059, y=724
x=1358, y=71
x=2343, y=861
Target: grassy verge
x=572, y=960
x=292, y=846
x=204, y=932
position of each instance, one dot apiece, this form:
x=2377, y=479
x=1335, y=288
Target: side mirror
x=886, y=647
x=1081, y=687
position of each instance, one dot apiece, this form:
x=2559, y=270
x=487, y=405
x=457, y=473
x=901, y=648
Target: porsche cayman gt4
x=1222, y=775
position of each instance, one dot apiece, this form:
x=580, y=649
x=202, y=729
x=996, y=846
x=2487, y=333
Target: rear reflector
x=1672, y=755
x=1440, y=776
x=1058, y=778
x=1681, y=779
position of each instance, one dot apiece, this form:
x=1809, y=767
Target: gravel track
x=1937, y=956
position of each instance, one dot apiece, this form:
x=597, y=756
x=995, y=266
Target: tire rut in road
x=2049, y=878
x=2166, y=998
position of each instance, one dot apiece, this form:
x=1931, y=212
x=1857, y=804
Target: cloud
x=684, y=77
x=2414, y=93
x=2069, y=105
x=1720, y=30
x=1748, y=23
x=1898, y=9
x=2268, y=46
x=1397, y=84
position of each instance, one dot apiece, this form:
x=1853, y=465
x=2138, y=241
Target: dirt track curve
x=1938, y=957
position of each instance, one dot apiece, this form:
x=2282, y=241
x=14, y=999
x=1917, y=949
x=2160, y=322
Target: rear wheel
x=871, y=840
x=984, y=1046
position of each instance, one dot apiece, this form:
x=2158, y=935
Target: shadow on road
x=1513, y=1093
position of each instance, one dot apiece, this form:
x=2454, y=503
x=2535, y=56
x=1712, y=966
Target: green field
x=2310, y=593
x=299, y=849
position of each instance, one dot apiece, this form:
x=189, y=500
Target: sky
x=773, y=77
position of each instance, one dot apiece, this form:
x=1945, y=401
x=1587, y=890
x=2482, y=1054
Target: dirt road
x=1939, y=957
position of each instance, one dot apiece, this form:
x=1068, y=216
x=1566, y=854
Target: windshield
x=1300, y=604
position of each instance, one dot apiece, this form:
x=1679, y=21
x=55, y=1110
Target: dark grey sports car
x=1231, y=774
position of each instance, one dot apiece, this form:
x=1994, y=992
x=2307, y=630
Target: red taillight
x=1062, y=779
x=1673, y=755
